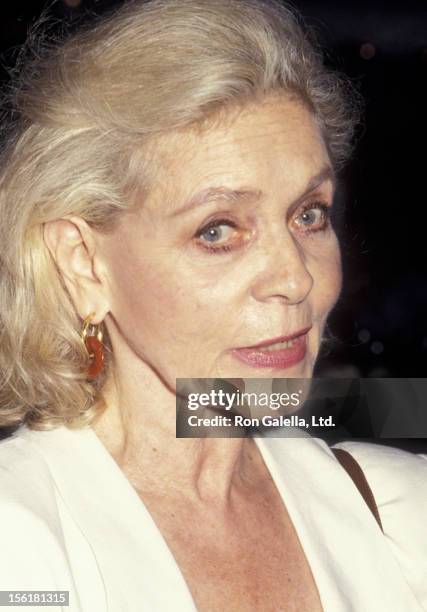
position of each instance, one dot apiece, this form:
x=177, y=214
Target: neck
x=139, y=432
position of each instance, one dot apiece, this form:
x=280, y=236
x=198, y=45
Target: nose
x=284, y=275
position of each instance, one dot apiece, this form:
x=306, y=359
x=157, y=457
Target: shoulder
x=30, y=526
x=393, y=473
x=25, y=478
x=398, y=480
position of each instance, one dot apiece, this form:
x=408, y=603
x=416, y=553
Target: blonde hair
x=83, y=111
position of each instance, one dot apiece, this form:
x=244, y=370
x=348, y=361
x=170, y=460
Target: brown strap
x=355, y=472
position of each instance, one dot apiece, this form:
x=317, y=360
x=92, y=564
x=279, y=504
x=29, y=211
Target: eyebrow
x=222, y=193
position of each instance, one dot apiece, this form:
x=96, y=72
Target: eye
x=314, y=217
x=215, y=236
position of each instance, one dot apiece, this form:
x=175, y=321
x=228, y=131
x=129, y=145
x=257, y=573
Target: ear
x=72, y=244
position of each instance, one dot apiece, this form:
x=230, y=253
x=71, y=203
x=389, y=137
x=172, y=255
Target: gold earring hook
x=87, y=323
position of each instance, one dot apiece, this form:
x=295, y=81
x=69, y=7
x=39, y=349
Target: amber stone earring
x=94, y=346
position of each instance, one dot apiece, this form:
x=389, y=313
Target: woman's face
x=233, y=247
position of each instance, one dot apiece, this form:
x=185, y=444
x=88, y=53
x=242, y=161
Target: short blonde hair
x=83, y=111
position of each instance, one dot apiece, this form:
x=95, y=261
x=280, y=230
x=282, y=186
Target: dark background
x=379, y=326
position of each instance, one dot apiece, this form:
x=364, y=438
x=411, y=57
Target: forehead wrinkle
x=213, y=147
x=220, y=193
x=210, y=145
x=212, y=194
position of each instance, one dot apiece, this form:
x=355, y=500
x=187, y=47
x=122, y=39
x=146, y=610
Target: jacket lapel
x=134, y=560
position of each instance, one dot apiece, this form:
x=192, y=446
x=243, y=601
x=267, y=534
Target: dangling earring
x=94, y=346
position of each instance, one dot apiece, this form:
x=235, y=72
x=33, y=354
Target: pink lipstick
x=279, y=353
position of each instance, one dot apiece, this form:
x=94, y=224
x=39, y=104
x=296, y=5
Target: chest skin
x=248, y=558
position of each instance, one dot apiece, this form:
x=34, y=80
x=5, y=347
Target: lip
x=277, y=339
x=280, y=359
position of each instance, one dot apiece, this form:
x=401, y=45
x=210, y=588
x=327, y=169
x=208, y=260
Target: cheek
x=146, y=299
x=163, y=301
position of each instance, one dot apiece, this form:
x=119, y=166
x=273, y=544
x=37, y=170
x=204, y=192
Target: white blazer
x=70, y=520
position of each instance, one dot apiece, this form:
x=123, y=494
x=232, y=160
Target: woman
x=167, y=192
